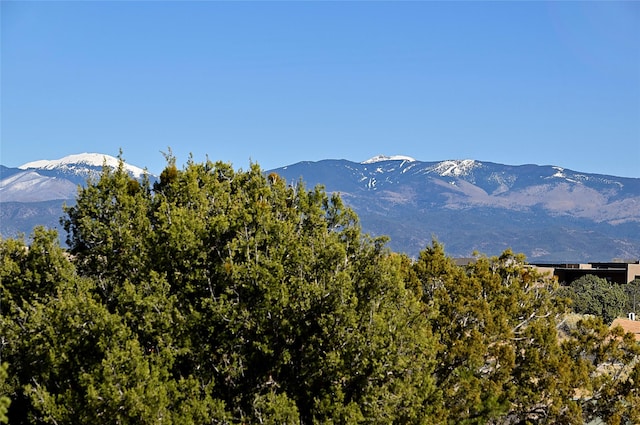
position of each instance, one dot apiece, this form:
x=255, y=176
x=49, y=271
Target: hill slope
x=547, y=212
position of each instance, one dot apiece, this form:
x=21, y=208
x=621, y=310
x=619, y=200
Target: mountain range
x=549, y=213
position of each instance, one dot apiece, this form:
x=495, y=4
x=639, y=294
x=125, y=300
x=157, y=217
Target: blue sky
x=281, y=82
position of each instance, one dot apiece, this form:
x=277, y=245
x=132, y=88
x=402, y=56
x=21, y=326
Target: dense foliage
x=632, y=290
x=597, y=296
x=222, y=296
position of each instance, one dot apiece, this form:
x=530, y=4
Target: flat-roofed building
x=615, y=272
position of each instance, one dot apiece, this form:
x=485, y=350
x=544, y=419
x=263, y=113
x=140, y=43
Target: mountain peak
x=71, y=163
x=380, y=158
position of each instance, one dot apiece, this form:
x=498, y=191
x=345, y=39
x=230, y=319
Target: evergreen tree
x=267, y=295
x=608, y=382
x=71, y=359
x=499, y=358
x=5, y=401
x=223, y=296
x=597, y=296
x=632, y=290
x=110, y=220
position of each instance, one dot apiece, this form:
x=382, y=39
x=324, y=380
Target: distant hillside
x=547, y=212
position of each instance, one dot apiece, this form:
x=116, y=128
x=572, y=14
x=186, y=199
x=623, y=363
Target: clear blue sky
x=281, y=82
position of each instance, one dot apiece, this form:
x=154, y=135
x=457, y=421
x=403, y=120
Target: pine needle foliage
x=230, y=297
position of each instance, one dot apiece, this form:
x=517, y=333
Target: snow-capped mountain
x=547, y=212
x=33, y=193
x=47, y=180
x=81, y=164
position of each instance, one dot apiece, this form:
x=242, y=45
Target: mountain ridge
x=548, y=212
x=479, y=205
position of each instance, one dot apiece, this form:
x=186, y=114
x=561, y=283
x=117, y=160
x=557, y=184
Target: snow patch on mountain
x=560, y=174
x=504, y=182
x=29, y=186
x=380, y=158
x=78, y=163
x=455, y=168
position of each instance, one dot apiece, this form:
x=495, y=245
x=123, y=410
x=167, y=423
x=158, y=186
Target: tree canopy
x=597, y=296
x=223, y=296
